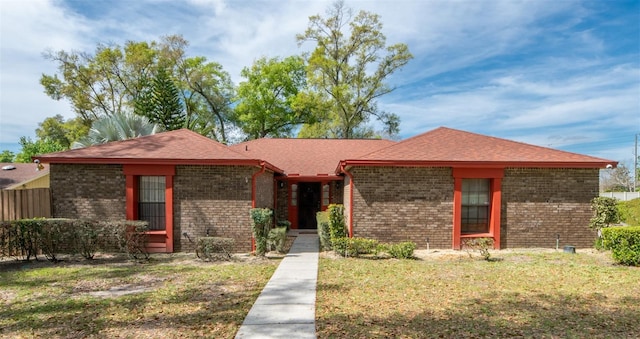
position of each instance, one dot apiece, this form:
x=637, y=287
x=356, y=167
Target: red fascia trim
x=478, y=173
x=495, y=175
x=344, y=170
x=123, y=161
x=474, y=164
x=149, y=169
x=313, y=178
x=168, y=206
x=457, y=213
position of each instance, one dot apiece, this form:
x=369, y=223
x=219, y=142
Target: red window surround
x=495, y=175
x=133, y=171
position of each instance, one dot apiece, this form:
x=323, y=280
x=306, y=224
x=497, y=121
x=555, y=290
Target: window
x=151, y=201
x=476, y=195
x=294, y=195
x=326, y=195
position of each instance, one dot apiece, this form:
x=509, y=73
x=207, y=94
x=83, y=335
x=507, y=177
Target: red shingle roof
x=175, y=147
x=309, y=157
x=445, y=145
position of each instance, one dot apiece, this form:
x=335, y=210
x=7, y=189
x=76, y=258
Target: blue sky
x=563, y=74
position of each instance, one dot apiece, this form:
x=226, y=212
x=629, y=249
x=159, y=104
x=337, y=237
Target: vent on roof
x=8, y=168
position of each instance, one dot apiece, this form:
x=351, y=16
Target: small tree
x=337, y=227
x=605, y=212
x=261, y=226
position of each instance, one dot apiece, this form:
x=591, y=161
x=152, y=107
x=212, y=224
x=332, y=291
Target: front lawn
x=169, y=297
x=527, y=294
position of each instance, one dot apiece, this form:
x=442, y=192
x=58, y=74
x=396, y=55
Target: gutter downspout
x=344, y=170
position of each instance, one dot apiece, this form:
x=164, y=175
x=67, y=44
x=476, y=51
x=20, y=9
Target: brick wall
x=282, y=203
x=214, y=198
x=264, y=190
x=537, y=204
x=88, y=191
x=393, y=204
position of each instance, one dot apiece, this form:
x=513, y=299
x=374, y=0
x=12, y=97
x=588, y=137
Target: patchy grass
x=527, y=294
x=171, y=296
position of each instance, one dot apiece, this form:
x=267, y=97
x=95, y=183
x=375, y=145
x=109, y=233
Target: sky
x=556, y=73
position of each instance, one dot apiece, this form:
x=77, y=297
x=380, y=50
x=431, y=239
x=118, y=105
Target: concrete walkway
x=286, y=308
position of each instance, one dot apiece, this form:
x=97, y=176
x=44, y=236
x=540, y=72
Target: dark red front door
x=308, y=204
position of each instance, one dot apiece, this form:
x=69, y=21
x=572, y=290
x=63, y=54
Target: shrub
x=284, y=223
x=212, y=248
x=605, y=212
x=337, y=227
x=354, y=247
x=322, y=219
x=624, y=243
x=129, y=236
x=481, y=245
x=261, y=224
x=277, y=239
x=87, y=237
x=403, y=250
x=24, y=237
x=56, y=236
x=630, y=212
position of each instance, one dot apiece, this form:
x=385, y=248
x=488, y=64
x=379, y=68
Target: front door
x=309, y=204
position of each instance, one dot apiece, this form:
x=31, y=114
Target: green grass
x=524, y=295
x=630, y=212
x=180, y=298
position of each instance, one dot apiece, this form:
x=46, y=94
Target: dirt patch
x=121, y=290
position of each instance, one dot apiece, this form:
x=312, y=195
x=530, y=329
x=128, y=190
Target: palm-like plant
x=119, y=126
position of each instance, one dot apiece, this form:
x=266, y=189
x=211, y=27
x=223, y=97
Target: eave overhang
x=129, y=161
x=475, y=164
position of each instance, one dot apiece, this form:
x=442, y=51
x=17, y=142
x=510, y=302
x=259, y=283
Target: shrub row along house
x=439, y=187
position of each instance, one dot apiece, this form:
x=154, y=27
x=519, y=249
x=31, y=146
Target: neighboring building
x=15, y=176
x=442, y=187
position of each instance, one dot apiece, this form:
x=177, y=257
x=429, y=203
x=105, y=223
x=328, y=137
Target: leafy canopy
x=32, y=148
x=114, y=78
x=274, y=99
x=350, y=65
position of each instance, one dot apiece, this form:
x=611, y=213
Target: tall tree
x=273, y=99
x=32, y=148
x=7, y=156
x=619, y=179
x=117, y=127
x=160, y=102
x=110, y=81
x=350, y=65
x=209, y=97
x=62, y=131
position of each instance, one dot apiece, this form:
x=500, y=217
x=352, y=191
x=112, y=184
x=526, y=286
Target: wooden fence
x=25, y=204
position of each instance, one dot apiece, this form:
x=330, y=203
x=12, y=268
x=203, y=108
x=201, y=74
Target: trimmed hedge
x=277, y=239
x=403, y=250
x=322, y=219
x=26, y=238
x=354, y=247
x=212, y=248
x=337, y=227
x=630, y=212
x=624, y=243
x=261, y=218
